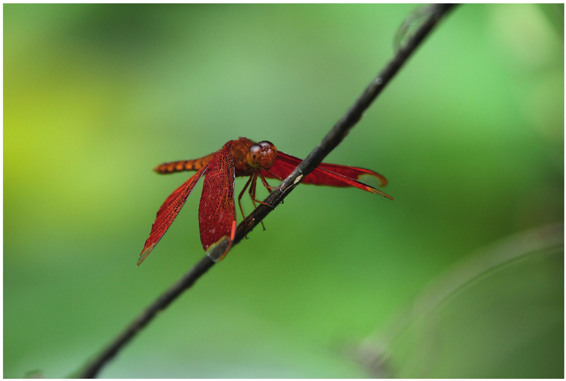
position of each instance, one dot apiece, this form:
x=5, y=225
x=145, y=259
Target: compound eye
x=254, y=155
x=262, y=155
x=268, y=154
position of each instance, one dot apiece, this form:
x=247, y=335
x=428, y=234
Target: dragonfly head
x=262, y=155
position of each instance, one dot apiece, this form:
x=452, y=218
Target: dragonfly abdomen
x=183, y=165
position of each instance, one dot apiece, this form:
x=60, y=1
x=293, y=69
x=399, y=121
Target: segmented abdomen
x=183, y=165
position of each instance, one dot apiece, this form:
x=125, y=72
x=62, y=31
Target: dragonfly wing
x=217, y=211
x=168, y=212
x=325, y=174
x=352, y=172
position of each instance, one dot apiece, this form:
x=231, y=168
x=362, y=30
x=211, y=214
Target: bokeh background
x=460, y=276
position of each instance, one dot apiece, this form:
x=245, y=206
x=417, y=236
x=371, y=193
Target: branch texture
x=330, y=141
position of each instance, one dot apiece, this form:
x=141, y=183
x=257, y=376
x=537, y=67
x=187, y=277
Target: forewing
x=325, y=174
x=168, y=212
x=217, y=211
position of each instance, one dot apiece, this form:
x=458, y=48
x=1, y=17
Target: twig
x=161, y=303
x=332, y=139
x=343, y=126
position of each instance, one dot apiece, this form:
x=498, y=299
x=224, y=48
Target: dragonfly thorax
x=261, y=155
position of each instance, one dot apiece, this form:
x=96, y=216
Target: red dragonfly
x=242, y=157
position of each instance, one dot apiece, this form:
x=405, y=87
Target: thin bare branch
x=330, y=141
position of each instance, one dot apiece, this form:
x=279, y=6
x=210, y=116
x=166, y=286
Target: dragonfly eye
x=262, y=155
x=253, y=155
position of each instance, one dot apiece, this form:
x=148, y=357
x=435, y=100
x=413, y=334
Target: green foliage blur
x=470, y=135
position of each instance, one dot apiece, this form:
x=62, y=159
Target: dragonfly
x=239, y=158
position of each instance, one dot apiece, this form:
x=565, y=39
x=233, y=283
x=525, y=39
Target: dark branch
x=341, y=129
x=160, y=304
x=332, y=139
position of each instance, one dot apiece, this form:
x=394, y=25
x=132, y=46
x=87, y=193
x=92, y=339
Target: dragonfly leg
x=240, y=198
x=253, y=189
x=274, y=175
x=266, y=184
x=252, y=195
x=242, y=194
x=269, y=187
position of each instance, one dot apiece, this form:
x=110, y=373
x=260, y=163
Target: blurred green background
x=469, y=134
